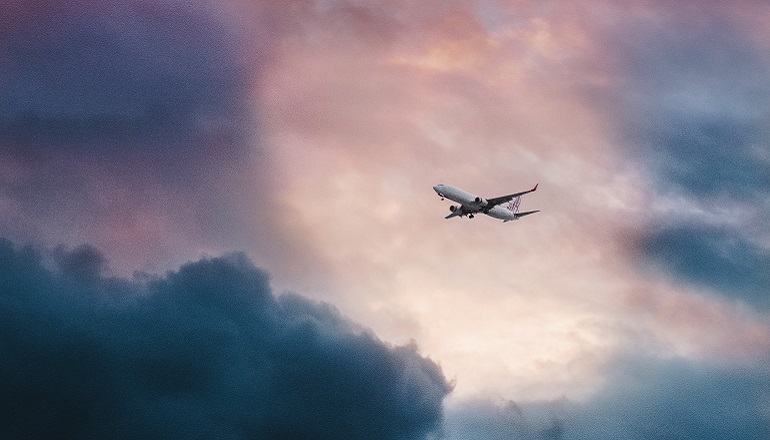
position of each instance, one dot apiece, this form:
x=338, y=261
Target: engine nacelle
x=453, y=208
x=481, y=201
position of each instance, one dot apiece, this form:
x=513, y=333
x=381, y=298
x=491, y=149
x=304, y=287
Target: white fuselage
x=501, y=213
x=468, y=202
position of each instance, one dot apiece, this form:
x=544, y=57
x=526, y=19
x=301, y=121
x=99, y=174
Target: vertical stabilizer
x=513, y=205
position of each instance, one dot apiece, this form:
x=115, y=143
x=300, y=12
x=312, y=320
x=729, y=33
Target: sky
x=216, y=219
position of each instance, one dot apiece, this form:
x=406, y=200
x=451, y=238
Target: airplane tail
x=513, y=206
x=516, y=212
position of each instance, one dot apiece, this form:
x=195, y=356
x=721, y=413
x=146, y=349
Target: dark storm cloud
x=643, y=399
x=205, y=352
x=717, y=257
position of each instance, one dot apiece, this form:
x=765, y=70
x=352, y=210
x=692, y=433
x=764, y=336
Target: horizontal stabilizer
x=522, y=214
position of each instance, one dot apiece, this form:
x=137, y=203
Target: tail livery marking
x=513, y=205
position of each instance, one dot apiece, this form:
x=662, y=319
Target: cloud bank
x=206, y=351
x=309, y=133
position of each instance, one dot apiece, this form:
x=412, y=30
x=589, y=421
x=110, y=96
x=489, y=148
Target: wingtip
x=535, y=188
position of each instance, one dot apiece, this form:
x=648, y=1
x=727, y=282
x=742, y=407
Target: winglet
x=535, y=188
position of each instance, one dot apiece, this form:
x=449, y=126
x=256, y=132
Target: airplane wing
x=461, y=211
x=498, y=200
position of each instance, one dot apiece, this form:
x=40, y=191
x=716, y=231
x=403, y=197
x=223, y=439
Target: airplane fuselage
x=470, y=204
x=501, y=213
x=459, y=196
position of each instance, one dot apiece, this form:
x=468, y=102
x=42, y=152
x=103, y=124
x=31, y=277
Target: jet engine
x=481, y=201
x=453, y=208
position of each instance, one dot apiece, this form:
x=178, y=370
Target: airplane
x=470, y=204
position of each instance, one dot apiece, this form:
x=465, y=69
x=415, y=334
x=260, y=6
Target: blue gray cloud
x=696, y=104
x=696, y=93
x=713, y=257
x=102, y=77
x=670, y=399
x=131, y=118
x=644, y=398
x=204, y=351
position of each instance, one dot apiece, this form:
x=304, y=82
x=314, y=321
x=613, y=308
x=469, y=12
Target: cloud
x=205, y=351
x=689, y=86
x=672, y=398
x=716, y=257
x=98, y=77
x=692, y=86
x=477, y=419
x=494, y=104
x=360, y=108
x=644, y=398
x=133, y=126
